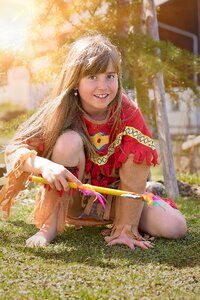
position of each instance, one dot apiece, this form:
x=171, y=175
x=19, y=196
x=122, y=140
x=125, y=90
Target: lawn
x=78, y=264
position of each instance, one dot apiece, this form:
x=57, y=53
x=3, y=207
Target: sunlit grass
x=1, y=158
x=156, y=173
x=8, y=106
x=189, y=178
x=79, y=265
x=8, y=128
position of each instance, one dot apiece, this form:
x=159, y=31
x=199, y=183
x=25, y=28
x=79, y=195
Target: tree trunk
x=123, y=11
x=150, y=26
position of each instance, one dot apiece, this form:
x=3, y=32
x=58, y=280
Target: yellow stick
x=99, y=189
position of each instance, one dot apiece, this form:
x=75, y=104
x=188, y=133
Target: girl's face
x=97, y=91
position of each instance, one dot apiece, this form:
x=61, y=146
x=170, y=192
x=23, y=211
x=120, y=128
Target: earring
x=76, y=93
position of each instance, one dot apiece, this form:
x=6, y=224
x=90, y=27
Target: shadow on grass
x=87, y=246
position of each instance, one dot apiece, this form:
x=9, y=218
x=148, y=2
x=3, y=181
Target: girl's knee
x=71, y=139
x=68, y=149
x=177, y=228
x=173, y=228
x=166, y=222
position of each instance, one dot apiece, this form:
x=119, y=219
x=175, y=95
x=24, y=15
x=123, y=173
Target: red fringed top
x=133, y=136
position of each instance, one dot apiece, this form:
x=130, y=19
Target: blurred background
x=34, y=38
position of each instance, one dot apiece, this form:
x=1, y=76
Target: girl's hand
x=57, y=175
x=124, y=239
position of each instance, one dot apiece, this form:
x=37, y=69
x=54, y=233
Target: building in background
x=179, y=23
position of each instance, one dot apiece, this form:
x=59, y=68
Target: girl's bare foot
x=42, y=238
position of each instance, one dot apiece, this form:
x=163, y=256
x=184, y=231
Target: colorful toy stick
x=92, y=190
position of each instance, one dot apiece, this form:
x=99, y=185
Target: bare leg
x=69, y=152
x=48, y=230
x=164, y=221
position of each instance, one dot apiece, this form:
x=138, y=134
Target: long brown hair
x=87, y=55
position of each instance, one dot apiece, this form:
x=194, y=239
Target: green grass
x=1, y=158
x=8, y=106
x=189, y=178
x=8, y=129
x=78, y=264
x=156, y=173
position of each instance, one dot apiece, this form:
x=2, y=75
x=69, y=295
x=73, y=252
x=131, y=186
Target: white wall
x=19, y=86
x=19, y=91
x=184, y=118
x=4, y=94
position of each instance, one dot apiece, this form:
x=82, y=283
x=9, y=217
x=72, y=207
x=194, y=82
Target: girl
x=89, y=132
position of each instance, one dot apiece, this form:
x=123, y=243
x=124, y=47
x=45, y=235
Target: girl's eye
x=111, y=76
x=92, y=77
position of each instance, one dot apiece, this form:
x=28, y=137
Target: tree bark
x=150, y=25
x=123, y=11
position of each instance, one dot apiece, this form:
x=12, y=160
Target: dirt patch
x=8, y=115
x=2, y=169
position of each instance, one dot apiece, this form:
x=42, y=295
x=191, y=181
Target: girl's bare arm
x=56, y=174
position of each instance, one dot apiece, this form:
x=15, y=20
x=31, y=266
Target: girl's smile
x=98, y=91
x=102, y=96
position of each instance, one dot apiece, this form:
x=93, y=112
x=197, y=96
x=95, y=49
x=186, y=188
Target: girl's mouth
x=102, y=96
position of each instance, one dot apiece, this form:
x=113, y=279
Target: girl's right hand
x=57, y=175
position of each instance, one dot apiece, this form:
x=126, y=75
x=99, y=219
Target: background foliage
x=121, y=22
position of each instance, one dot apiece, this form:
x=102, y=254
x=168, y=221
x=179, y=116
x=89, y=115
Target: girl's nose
x=102, y=83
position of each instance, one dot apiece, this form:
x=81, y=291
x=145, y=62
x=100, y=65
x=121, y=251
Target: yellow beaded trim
x=130, y=131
